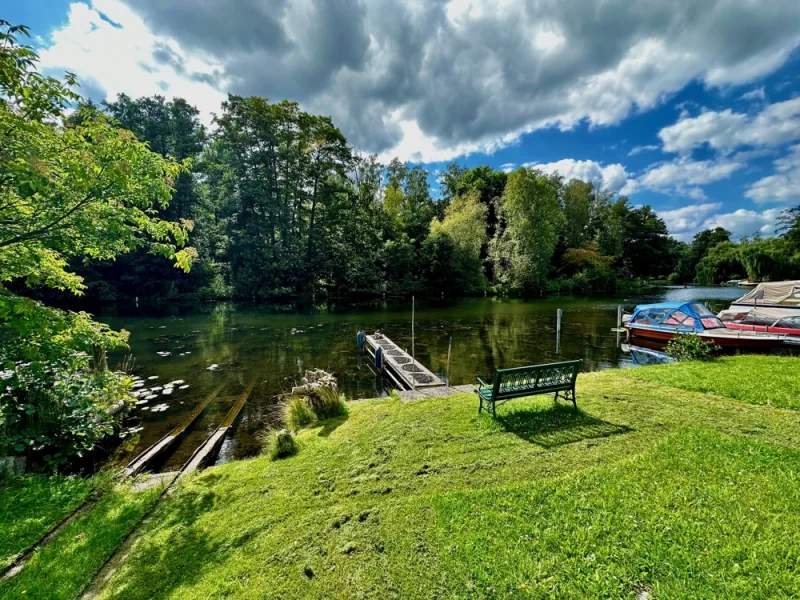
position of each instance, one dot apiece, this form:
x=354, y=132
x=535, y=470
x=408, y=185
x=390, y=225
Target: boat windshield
x=789, y=323
x=701, y=309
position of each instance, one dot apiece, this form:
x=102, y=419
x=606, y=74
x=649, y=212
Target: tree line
x=280, y=206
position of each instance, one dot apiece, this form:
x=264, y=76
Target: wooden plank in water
x=145, y=458
x=208, y=449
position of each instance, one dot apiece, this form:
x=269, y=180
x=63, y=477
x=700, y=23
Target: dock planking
x=397, y=363
x=208, y=450
x=144, y=459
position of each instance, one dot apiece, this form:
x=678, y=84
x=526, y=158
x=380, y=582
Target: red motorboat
x=663, y=321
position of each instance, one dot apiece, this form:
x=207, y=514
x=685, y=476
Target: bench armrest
x=482, y=383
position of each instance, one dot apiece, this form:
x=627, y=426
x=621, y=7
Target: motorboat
x=664, y=320
x=767, y=320
x=783, y=297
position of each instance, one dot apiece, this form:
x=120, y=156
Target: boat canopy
x=784, y=293
x=771, y=317
x=681, y=316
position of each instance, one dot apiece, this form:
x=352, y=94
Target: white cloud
x=120, y=59
x=744, y=222
x=683, y=222
x=611, y=178
x=427, y=81
x=784, y=185
x=507, y=167
x=727, y=130
x=756, y=95
x=683, y=175
x=639, y=149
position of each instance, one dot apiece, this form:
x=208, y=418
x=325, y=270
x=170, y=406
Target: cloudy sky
x=692, y=106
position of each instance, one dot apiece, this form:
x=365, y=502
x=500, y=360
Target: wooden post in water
x=447, y=372
x=413, y=355
x=559, y=312
x=619, y=316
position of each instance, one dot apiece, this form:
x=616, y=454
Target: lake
x=233, y=344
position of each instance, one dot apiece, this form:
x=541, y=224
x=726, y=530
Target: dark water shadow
x=556, y=425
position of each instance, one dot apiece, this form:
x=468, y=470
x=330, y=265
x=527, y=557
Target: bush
x=52, y=411
x=327, y=403
x=686, y=346
x=280, y=444
x=297, y=414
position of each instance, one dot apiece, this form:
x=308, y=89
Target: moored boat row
x=766, y=317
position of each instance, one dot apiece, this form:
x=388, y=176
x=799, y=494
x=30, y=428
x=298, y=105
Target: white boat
x=781, y=297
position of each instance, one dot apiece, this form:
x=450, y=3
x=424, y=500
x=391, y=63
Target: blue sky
x=691, y=107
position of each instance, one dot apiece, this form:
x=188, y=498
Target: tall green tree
x=523, y=251
x=464, y=224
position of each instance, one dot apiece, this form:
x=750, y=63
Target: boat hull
x=732, y=339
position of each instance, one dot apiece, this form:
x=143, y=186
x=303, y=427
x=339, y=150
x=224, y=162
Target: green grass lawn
x=65, y=566
x=32, y=505
x=649, y=487
x=771, y=380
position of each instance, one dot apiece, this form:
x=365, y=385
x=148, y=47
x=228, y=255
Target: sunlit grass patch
x=63, y=567
x=703, y=516
x=756, y=379
x=32, y=505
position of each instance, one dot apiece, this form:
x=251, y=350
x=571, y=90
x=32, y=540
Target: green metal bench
x=553, y=378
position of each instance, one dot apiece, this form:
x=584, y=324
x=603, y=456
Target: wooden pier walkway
x=399, y=366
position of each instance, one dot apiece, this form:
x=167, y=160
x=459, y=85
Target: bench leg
x=480, y=404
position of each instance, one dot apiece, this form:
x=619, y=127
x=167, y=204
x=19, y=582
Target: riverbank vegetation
x=74, y=187
x=649, y=487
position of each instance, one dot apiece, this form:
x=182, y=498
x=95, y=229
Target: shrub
x=327, y=403
x=686, y=346
x=321, y=394
x=297, y=414
x=52, y=411
x=280, y=444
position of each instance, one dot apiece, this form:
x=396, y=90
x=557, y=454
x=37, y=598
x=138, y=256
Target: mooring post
x=447, y=371
x=619, y=316
x=413, y=355
x=559, y=312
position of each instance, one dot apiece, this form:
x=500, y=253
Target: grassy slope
x=32, y=505
x=649, y=487
x=66, y=565
x=771, y=380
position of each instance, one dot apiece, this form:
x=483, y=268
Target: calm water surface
x=252, y=343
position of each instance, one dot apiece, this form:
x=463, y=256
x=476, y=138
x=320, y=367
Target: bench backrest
x=551, y=376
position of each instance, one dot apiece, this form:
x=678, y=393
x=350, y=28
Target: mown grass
x=65, y=566
x=32, y=505
x=756, y=379
x=647, y=487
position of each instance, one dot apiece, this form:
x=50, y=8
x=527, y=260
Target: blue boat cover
x=682, y=316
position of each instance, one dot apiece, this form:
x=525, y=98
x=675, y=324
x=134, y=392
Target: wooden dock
x=399, y=367
x=209, y=449
x=141, y=462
